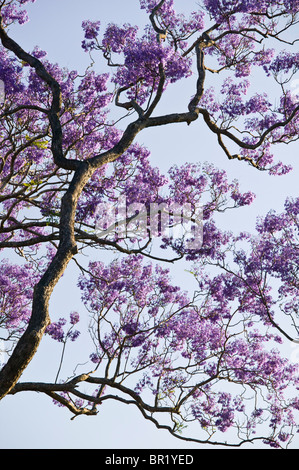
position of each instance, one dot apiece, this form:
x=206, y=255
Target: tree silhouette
x=74, y=179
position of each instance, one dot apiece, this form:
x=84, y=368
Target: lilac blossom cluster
x=170, y=338
x=56, y=329
x=12, y=12
x=142, y=59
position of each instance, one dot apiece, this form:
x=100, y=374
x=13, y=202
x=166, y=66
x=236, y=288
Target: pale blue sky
x=30, y=420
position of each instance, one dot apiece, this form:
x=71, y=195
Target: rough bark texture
x=29, y=342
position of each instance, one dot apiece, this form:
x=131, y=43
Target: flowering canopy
x=211, y=357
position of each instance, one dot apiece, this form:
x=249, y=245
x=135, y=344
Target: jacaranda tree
x=206, y=365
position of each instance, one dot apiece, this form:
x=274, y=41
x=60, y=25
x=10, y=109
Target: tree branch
x=53, y=112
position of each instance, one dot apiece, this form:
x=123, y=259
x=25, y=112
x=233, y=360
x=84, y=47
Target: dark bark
x=30, y=340
x=53, y=112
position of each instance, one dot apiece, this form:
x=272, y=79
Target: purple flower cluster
x=12, y=13
x=116, y=38
x=173, y=21
x=154, y=325
x=91, y=29
x=16, y=290
x=142, y=60
x=285, y=62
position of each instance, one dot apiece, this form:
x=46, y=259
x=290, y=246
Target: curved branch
x=217, y=130
x=130, y=104
x=24, y=107
x=53, y=112
x=201, y=78
x=52, y=390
